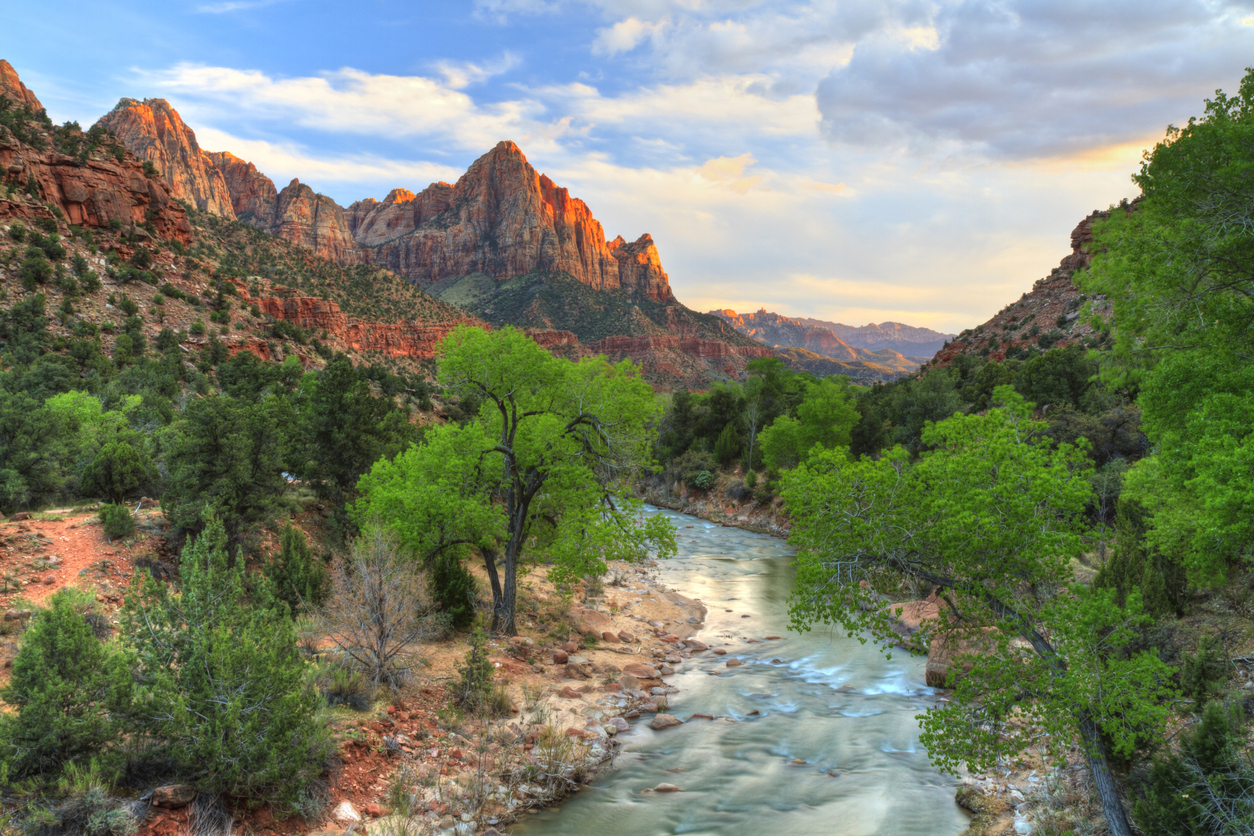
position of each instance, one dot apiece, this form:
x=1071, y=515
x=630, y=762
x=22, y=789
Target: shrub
x=727, y=447
x=35, y=270
x=116, y=521
x=118, y=471
x=86, y=810
x=475, y=690
x=299, y=577
x=198, y=328
x=225, y=686
x=17, y=231
x=142, y=259
x=1202, y=672
x=1206, y=787
x=453, y=590
x=343, y=685
x=703, y=480
x=67, y=688
x=378, y=607
x=751, y=480
x=150, y=170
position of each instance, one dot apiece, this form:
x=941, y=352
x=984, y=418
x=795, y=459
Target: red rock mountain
x=154, y=132
x=91, y=185
x=12, y=87
x=502, y=218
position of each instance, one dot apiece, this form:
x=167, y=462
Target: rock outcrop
x=254, y=199
x=1048, y=316
x=503, y=219
x=92, y=190
x=414, y=340
x=154, y=132
x=315, y=222
x=12, y=87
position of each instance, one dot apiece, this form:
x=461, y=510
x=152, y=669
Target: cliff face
x=154, y=132
x=315, y=222
x=411, y=340
x=91, y=188
x=503, y=219
x=254, y=199
x=13, y=88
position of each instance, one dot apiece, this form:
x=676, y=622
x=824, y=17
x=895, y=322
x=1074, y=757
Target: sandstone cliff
x=12, y=87
x=89, y=186
x=413, y=340
x=503, y=219
x=315, y=222
x=254, y=199
x=154, y=132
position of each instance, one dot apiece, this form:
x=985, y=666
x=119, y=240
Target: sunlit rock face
x=154, y=132
x=254, y=198
x=93, y=192
x=502, y=218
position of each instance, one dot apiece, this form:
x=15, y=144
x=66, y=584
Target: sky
x=917, y=161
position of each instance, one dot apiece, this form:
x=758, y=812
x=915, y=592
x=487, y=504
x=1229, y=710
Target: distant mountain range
x=890, y=345
x=504, y=244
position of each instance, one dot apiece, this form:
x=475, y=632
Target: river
x=821, y=698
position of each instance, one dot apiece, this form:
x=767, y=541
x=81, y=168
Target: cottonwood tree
x=1179, y=271
x=543, y=465
x=991, y=517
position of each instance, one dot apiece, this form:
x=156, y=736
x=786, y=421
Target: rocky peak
x=315, y=222
x=504, y=219
x=154, y=132
x=254, y=198
x=12, y=87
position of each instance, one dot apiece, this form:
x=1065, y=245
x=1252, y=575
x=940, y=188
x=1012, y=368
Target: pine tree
x=225, y=688
x=68, y=689
x=298, y=576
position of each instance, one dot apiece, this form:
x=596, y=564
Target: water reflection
x=823, y=699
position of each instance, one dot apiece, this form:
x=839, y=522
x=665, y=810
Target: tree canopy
x=543, y=464
x=990, y=516
x=1179, y=269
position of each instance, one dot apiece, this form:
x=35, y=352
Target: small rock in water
x=734, y=663
x=667, y=788
x=665, y=721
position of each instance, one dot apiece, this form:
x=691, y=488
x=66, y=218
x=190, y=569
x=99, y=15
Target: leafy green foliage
x=475, y=688
x=991, y=515
x=1178, y=270
x=68, y=689
x=825, y=417
x=118, y=471
x=453, y=589
x=224, y=687
x=1202, y=671
x=226, y=457
x=1137, y=564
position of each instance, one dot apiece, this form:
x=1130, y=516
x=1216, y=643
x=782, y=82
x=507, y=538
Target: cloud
x=354, y=101
x=228, y=6
x=625, y=36
x=282, y=161
x=1023, y=79
x=461, y=74
x=729, y=172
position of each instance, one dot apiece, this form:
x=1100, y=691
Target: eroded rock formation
x=254, y=198
x=154, y=132
x=12, y=87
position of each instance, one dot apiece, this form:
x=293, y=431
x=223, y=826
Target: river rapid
x=821, y=698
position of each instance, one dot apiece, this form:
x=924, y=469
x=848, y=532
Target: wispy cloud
x=228, y=6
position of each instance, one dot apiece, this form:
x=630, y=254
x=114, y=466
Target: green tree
x=556, y=444
x=227, y=457
x=68, y=689
x=826, y=417
x=344, y=429
x=991, y=516
x=224, y=686
x=36, y=443
x=1179, y=270
x=299, y=577
x=118, y=471
x=727, y=447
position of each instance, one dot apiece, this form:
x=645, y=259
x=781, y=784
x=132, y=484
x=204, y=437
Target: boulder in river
x=665, y=721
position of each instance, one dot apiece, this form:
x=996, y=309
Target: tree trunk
x=1107, y=789
x=503, y=611
x=489, y=563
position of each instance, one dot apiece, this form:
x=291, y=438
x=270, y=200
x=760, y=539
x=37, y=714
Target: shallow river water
x=838, y=705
